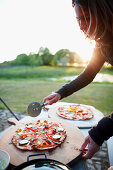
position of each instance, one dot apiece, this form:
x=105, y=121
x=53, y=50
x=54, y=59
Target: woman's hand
x=92, y=148
x=52, y=98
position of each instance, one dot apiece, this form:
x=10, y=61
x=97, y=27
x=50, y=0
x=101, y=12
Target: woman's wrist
x=58, y=95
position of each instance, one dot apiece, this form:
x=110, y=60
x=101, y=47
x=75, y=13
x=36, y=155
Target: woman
x=95, y=19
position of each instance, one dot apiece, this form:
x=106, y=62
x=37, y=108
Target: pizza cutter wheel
x=34, y=108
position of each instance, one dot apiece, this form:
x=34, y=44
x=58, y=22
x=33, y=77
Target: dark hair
x=102, y=10
x=81, y=2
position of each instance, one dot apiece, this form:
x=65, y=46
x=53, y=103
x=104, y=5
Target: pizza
x=75, y=112
x=39, y=135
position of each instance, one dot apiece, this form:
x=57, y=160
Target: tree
x=24, y=59
x=75, y=58
x=61, y=57
x=46, y=56
x=32, y=59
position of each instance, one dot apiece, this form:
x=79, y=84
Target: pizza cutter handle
x=36, y=155
x=44, y=104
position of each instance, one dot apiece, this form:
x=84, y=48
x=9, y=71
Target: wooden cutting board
x=67, y=152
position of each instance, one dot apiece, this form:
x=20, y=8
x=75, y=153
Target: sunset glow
x=27, y=25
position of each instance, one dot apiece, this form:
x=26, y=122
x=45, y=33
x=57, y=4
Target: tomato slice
x=53, y=125
x=79, y=111
x=31, y=129
x=50, y=137
x=19, y=130
x=84, y=113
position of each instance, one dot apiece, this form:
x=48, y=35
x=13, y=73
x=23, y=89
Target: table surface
x=80, y=164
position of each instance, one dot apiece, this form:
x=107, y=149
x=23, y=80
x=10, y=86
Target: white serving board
x=79, y=123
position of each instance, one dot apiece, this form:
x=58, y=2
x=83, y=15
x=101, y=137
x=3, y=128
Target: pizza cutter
x=34, y=108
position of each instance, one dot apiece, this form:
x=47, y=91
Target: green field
x=41, y=72
x=18, y=92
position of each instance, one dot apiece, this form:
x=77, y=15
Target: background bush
x=62, y=57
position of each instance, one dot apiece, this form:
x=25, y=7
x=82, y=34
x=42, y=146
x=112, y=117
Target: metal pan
x=41, y=164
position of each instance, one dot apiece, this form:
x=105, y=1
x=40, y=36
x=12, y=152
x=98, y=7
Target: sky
x=27, y=25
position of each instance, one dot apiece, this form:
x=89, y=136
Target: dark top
x=101, y=54
x=103, y=131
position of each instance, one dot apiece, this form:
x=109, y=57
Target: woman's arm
x=81, y=81
x=86, y=77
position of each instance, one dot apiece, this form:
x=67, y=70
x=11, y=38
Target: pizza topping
x=41, y=127
x=85, y=113
x=19, y=133
x=56, y=136
x=19, y=130
x=23, y=142
x=46, y=127
x=50, y=137
x=53, y=125
x=48, y=141
x=60, y=129
x=75, y=112
x=79, y=111
x=53, y=131
x=29, y=126
x=39, y=135
x=23, y=136
x=31, y=129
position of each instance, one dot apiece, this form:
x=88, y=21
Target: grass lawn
x=18, y=93
x=42, y=72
